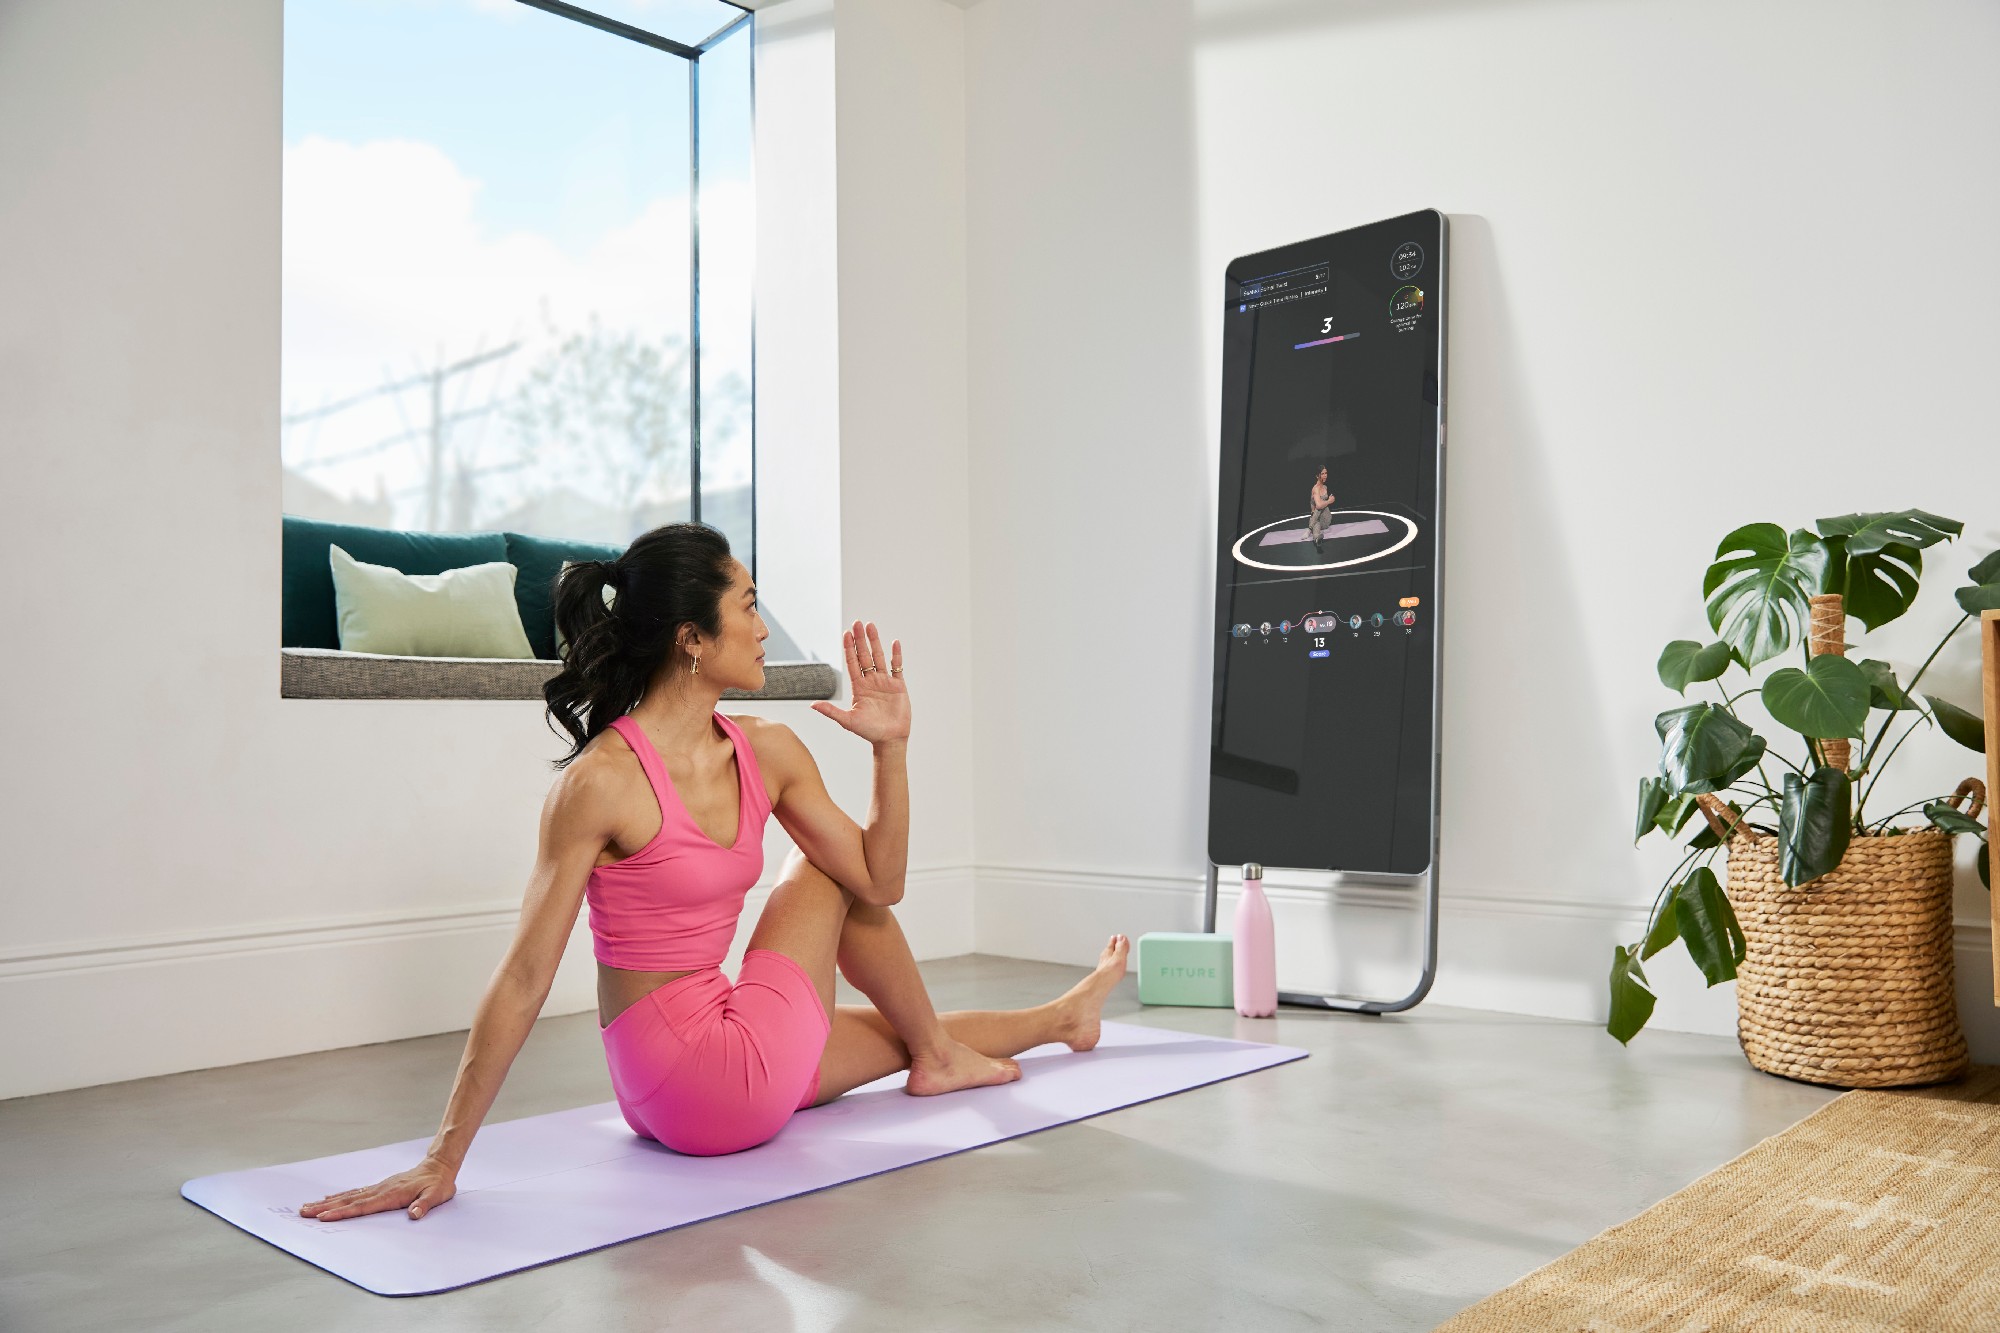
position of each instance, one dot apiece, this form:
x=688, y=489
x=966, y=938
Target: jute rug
x=1881, y=1210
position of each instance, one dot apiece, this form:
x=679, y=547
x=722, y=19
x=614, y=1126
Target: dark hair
x=665, y=579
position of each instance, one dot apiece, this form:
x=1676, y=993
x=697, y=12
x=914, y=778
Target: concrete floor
x=1411, y=1166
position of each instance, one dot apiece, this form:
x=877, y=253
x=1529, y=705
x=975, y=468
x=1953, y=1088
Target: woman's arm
x=575, y=826
x=869, y=863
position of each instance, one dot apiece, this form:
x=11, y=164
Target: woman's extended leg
x=869, y=1043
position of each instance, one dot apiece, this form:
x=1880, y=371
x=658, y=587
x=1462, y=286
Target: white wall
x=199, y=872
x=1702, y=256
x=905, y=547
x=798, y=323
x=862, y=480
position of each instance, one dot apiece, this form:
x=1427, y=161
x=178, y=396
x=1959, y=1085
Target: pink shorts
x=708, y=1068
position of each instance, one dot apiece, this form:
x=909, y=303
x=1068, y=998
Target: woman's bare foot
x=1080, y=1009
x=957, y=1066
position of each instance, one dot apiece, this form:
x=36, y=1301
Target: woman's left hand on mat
x=420, y=1189
x=881, y=710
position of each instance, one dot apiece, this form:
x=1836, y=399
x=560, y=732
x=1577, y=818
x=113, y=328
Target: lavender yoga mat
x=1365, y=527
x=550, y=1186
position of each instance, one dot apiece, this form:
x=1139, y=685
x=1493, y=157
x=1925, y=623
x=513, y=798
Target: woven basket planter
x=1848, y=979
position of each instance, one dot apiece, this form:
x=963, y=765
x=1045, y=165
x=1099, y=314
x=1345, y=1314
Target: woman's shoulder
x=772, y=743
x=602, y=778
x=609, y=751
x=768, y=737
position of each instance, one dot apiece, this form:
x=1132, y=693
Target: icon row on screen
x=1327, y=624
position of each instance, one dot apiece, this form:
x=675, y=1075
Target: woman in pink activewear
x=657, y=820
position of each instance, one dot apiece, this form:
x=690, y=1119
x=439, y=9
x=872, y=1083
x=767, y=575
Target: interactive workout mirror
x=1323, y=740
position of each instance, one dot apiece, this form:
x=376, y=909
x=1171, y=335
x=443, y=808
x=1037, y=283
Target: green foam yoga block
x=1176, y=967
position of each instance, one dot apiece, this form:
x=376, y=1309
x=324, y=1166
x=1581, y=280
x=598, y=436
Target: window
x=517, y=260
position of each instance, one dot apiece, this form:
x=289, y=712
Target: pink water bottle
x=1255, y=963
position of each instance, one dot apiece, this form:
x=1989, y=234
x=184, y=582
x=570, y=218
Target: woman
x=1322, y=508
x=641, y=824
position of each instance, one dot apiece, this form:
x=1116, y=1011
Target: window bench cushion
x=310, y=619
x=323, y=673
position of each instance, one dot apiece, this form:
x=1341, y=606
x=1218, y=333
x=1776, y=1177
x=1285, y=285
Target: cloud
x=389, y=269
x=386, y=261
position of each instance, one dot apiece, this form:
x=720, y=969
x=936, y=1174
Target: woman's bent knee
x=800, y=868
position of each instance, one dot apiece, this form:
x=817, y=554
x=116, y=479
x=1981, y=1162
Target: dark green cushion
x=309, y=618
x=540, y=559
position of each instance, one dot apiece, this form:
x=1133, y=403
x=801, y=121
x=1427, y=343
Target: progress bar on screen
x=1321, y=342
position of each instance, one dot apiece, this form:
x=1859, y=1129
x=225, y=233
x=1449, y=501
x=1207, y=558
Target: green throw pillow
x=540, y=559
x=467, y=612
x=309, y=617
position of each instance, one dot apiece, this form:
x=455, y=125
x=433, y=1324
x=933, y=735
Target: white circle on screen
x=1409, y=535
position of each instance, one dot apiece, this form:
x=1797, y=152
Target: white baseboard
x=1546, y=957
x=110, y=1010
x=107, y=1011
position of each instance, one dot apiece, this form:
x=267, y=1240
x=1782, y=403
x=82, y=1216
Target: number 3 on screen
x=1326, y=325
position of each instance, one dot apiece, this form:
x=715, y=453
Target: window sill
x=325, y=673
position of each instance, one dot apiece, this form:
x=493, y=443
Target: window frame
x=455, y=678
x=692, y=54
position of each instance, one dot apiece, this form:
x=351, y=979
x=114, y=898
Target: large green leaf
x=1708, y=924
x=1652, y=799
x=1983, y=593
x=1676, y=813
x=1757, y=589
x=1882, y=559
x=1951, y=819
x=1867, y=533
x=1659, y=809
x=1884, y=691
x=1880, y=585
x=1965, y=728
x=1666, y=929
x=1685, y=662
x=1828, y=698
x=1631, y=997
x=1815, y=821
x=1704, y=748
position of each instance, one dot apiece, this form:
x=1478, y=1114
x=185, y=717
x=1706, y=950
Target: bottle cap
x=1253, y=871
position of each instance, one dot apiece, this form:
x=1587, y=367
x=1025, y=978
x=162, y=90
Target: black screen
x=1323, y=727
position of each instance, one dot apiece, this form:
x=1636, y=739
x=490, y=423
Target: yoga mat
x=1366, y=527
x=549, y=1186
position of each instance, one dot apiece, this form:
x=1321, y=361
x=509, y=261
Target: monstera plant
x=1763, y=592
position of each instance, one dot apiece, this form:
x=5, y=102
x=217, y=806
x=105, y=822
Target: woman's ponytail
x=617, y=619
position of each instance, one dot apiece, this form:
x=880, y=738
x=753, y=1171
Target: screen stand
x=1349, y=1003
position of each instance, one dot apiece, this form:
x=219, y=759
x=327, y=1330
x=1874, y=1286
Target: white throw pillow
x=467, y=612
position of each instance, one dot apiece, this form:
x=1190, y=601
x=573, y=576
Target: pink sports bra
x=672, y=906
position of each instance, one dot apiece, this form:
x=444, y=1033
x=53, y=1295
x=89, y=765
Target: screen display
x=1323, y=728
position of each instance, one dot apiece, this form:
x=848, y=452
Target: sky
x=462, y=174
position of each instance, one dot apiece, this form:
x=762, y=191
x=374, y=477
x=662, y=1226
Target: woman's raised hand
x=420, y=1189
x=881, y=710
